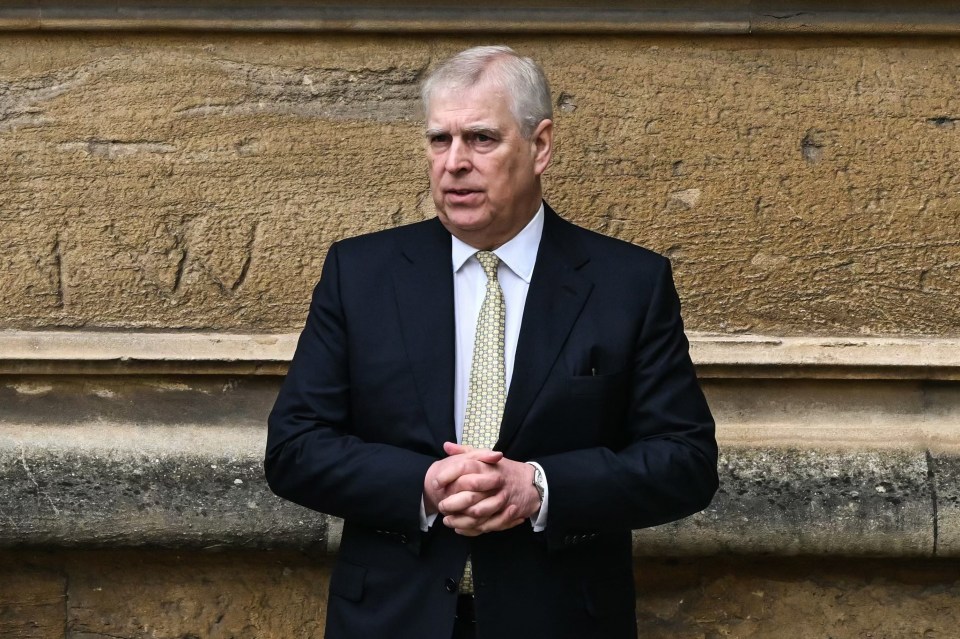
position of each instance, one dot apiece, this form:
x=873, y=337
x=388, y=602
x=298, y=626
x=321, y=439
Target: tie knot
x=489, y=262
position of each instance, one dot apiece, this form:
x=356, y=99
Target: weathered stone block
x=207, y=596
x=143, y=594
x=193, y=494
x=945, y=475
x=752, y=598
x=803, y=502
x=32, y=601
x=125, y=498
x=798, y=189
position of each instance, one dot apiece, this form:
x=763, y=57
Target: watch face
x=538, y=481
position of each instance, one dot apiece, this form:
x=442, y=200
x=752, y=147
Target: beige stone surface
x=716, y=356
x=763, y=599
x=267, y=595
x=32, y=601
x=201, y=596
x=168, y=595
x=195, y=180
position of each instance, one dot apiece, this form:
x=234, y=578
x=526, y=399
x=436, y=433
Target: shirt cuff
x=539, y=520
x=426, y=521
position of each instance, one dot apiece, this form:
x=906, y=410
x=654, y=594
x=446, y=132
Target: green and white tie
x=487, y=393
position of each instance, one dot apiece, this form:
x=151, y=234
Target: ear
x=542, y=139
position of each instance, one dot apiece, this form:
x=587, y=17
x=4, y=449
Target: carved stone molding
x=933, y=17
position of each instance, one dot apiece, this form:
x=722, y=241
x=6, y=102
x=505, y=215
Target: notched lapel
x=555, y=300
x=424, y=285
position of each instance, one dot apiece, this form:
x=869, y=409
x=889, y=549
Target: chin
x=465, y=220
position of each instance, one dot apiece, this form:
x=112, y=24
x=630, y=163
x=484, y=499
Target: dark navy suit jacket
x=603, y=396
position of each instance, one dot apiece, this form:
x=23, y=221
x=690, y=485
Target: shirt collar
x=519, y=253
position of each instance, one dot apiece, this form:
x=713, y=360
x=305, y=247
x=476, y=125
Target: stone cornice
x=68, y=493
x=716, y=356
x=757, y=17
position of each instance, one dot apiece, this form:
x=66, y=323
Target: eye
x=439, y=140
x=483, y=140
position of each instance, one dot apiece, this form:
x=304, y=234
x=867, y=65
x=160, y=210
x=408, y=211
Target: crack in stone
x=40, y=491
x=787, y=16
x=181, y=266
x=58, y=270
x=245, y=267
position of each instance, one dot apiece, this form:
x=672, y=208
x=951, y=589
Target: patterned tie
x=488, y=392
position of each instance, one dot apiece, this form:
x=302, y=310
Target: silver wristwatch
x=539, y=481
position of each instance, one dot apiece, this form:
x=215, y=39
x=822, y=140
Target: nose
x=458, y=157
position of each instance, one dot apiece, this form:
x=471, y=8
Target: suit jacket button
x=450, y=585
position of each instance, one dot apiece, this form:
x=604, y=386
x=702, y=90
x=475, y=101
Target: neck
x=485, y=240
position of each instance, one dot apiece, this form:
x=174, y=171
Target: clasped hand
x=479, y=491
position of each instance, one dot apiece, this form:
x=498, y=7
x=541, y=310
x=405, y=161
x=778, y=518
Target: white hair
x=521, y=79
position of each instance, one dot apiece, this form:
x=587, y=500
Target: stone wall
x=801, y=186
x=190, y=595
x=189, y=183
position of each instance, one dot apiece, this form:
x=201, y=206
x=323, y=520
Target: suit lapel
x=555, y=299
x=424, y=285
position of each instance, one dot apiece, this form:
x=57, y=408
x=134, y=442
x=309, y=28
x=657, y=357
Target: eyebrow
x=474, y=129
x=491, y=131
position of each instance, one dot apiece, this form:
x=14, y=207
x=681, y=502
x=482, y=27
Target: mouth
x=462, y=197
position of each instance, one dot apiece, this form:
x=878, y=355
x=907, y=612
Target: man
x=491, y=399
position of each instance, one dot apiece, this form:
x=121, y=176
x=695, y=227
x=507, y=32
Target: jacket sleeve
x=313, y=455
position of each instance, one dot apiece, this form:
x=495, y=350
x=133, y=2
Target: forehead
x=461, y=107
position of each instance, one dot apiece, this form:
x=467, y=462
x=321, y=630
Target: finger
x=459, y=521
x=453, y=448
x=477, y=482
x=452, y=468
x=481, y=454
x=488, y=506
x=474, y=462
x=501, y=521
x=489, y=526
x=459, y=502
x=486, y=456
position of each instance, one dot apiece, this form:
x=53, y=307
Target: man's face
x=484, y=176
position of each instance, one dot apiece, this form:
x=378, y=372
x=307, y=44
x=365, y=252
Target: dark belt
x=466, y=611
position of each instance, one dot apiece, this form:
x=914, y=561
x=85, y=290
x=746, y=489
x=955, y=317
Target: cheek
x=434, y=175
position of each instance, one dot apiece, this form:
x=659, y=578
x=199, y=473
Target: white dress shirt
x=517, y=259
